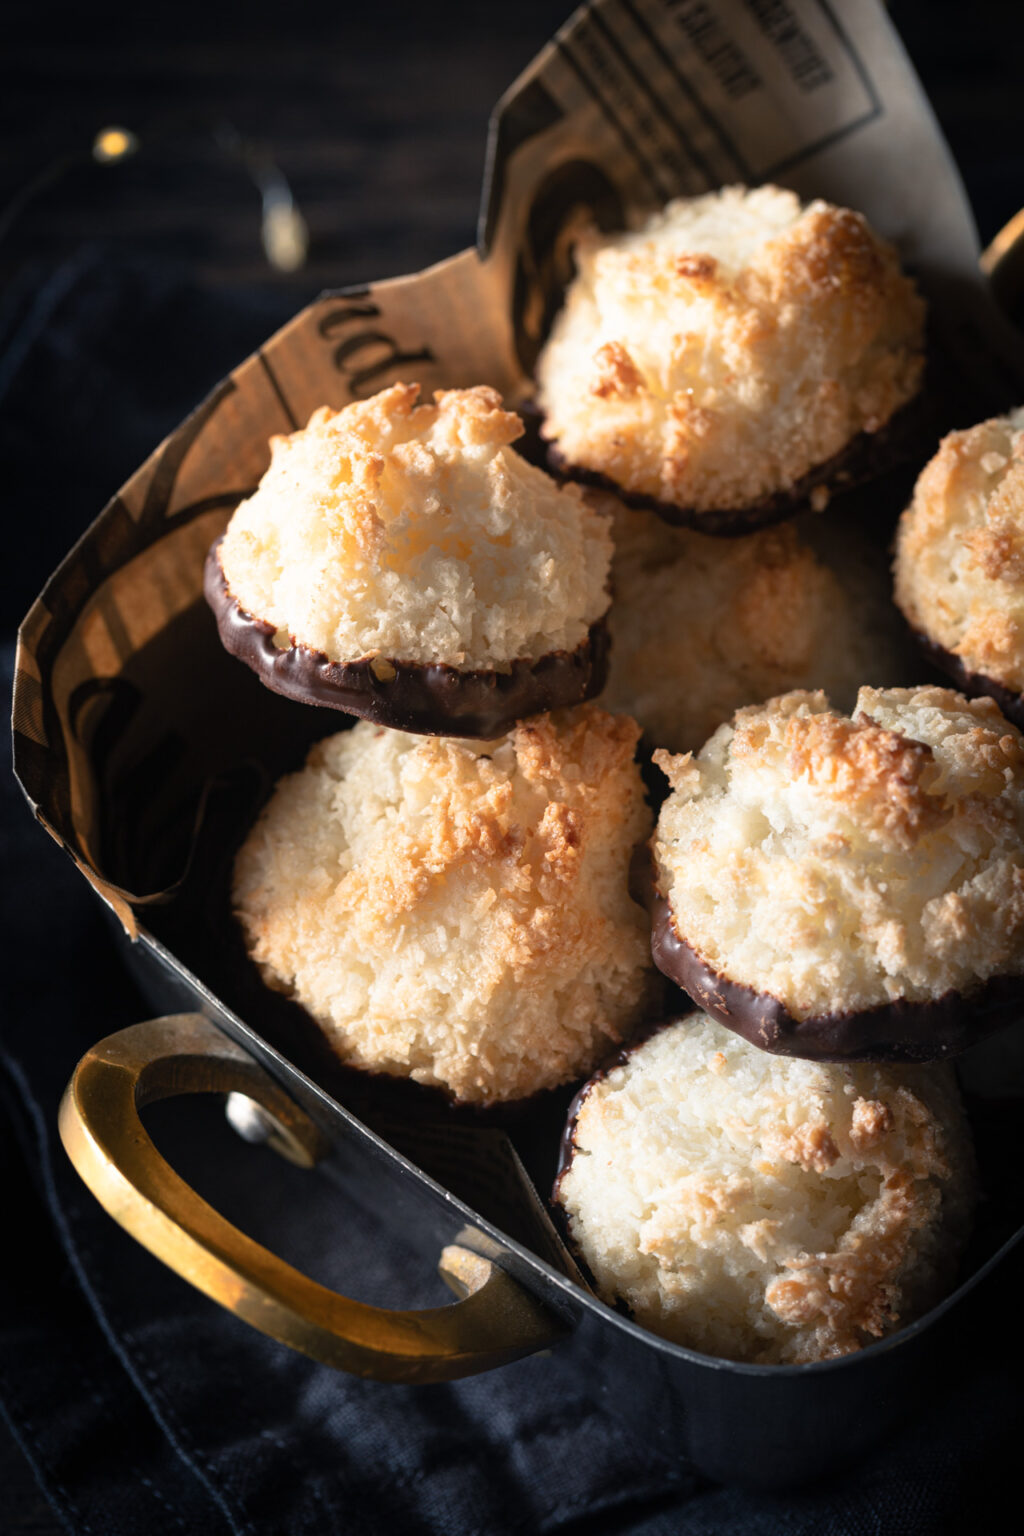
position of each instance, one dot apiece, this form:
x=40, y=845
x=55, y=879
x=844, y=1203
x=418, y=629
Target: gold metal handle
x=1002, y=262
x=495, y=1322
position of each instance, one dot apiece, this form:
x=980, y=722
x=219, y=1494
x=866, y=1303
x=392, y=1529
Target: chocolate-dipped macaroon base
x=427, y=699
x=975, y=684
x=865, y=457
x=897, y=1031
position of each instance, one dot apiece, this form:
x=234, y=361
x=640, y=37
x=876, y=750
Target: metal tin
x=768, y=1427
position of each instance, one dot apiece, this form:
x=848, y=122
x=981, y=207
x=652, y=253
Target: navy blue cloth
x=140, y=1405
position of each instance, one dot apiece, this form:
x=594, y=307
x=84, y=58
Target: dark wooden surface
x=378, y=122
x=379, y=126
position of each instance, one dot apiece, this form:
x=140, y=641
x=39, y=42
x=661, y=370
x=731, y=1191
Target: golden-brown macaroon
x=702, y=626
x=764, y=1209
x=719, y=359
x=455, y=911
x=402, y=562
x=960, y=560
x=839, y=886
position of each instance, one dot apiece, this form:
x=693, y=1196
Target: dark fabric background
x=127, y=292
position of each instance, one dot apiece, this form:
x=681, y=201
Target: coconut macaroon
x=960, y=560
x=719, y=360
x=458, y=912
x=837, y=886
x=765, y=1209
x=702, y=626
x=402, y=562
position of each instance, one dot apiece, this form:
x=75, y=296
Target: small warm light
x=285, y=234
x=113, y=144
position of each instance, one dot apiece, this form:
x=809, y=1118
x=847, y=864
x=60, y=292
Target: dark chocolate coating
x=566, y=1151
x=897, y=1031
x=864, y=457
x=975, y=684
x=425, y=698
x=567, y=1145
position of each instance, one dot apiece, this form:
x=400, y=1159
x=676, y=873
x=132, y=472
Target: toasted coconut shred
x=767, y=1209
x=414, y=532
x=960, y=550
x=458, y=912
x=701, y=627
x=725, y=349
x=838, y=863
